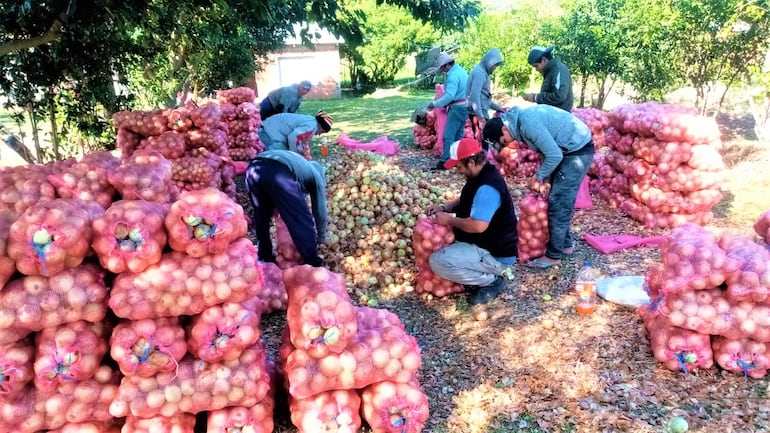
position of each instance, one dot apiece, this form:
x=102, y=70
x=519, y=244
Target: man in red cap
x=484, y=223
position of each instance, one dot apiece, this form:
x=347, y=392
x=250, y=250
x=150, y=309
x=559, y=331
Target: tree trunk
x=54, y=131
x=583, y=84
x=35, y=135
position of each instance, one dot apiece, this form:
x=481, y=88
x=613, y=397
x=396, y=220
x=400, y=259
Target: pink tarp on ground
x=608, y=244
x=382, y=144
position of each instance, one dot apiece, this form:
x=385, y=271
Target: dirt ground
x=526, y=364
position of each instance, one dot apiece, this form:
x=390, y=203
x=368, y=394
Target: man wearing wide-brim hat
x=556, y=89
x=454, y=100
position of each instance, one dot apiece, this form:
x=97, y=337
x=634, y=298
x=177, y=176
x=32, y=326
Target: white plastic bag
x=626, y=290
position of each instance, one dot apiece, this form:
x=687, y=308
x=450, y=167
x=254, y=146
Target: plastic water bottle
x=585, y=289
x=324, y=147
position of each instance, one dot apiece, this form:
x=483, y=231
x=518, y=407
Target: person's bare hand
x=443, y=218
x=434, y=209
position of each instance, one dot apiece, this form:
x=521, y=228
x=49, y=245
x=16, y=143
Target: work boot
x=487, y=293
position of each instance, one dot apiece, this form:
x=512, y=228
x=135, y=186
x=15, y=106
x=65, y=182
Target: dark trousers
x=273, y=187
x=565, y=182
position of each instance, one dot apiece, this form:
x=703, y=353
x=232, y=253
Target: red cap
x=462, y=149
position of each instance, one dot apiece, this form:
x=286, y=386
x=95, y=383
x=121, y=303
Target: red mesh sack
x=130, y=236
x=24, y=186
x=221, y=332
x=70, y=352
x=183, y=285
x=747, y=357
x=236, y=95
x=336, y=410
x=34, y=303
x=7, y=265
x=287, y=255
x=196, y=386
x=751, y=281
x=204, y=222
x=693, y=260
x=170, y=144
x=390, y=407
x=677, y=348
x=16, y=366
x=147, y=347
x=86, y=181
x=532, y=226
x=273, y=296
x=427, y=238
x=145, y=123
x=176, y=423
x=145, y=176
x=254, y=419
x=90, y=427
x=52, y=236
x=320, y=317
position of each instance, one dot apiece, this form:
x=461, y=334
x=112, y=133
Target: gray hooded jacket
x=478, y=89
x=548, y=130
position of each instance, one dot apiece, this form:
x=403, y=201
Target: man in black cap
x=556, y=89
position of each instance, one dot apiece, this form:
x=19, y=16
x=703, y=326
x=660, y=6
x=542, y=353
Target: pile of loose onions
x=130, y=236
x=222, y=332
x=52, y=236
x=395, y=407
x=147, y=347
x=429, y=237
x=204, y=222
x=742, y=356
x=68, y=352
x=532, y=226
x=333, y=410
x=183, y=285
x=195, y=386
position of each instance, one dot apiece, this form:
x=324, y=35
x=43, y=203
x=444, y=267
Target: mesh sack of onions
x=183, y=285
x=16, y=361
x=144, y=123
x=180, y=118
x=7, y=265
x=693, y=260
x=273, y=296
x=508, y=159
x=254, y=419
x=376, y=318
x=222, y=332
x=176, y=423
x=36, y=302
x=130, y=236
x=52, y=236
x=11, y=334
x=87, y=180
x=652, y=219
x=677, y=348
x=147, y=347
x=529, y=160
x=761, y=226
x=428, y=237
x=532, y=226
x=374, y=355
x=333, y=410
x=424, y=136
x=204, y=222
x=31, y=410
x=390, y=407
x=145, y=176
x=751, y=281
x=286, y=254
x=320, y=317
x=619, y=142
x=127, y=142
x=195, y=386
x=206, y=116
x=170, y=144
x=597, y=121
x=213, y=140
x=236, y=95
x=196, y=170
x=70, y=352
x=747, y=357
x=113, y=426
x=20, y=189
x=663, y=154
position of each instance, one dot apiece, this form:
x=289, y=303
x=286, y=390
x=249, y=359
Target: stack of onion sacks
x=429, y=237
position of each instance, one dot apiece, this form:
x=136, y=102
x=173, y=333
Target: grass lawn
x=368, y=117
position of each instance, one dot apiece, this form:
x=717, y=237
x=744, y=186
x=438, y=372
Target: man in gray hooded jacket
x=567, y=148
x=478, y=90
